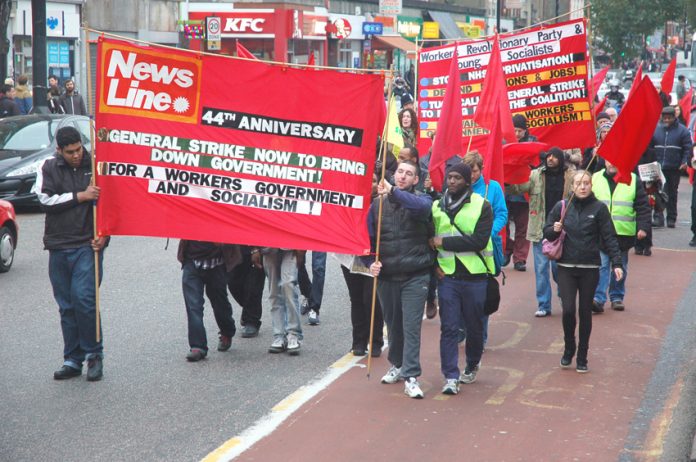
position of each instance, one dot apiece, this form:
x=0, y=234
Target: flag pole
x=90, y=99
x=379, y=223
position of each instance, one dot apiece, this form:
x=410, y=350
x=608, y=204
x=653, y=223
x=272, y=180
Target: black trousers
x=360, y=293
x=245, y=283
x=577, y=287
x=672, y=189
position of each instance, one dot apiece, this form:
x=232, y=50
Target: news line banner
x=213, y=149
x=546, y=71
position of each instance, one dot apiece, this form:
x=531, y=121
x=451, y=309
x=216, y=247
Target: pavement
x=637, y=403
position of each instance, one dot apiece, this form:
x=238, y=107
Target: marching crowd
x=438, y=252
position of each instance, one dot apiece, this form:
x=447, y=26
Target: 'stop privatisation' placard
x=546, y=72
x=213, y=149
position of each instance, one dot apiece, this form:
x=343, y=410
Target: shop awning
x=395, y=41
x=448, y=28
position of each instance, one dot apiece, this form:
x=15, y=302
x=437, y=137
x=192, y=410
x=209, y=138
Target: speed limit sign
x=213, y=32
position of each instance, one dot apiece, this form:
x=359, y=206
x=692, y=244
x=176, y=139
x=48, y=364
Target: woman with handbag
x=588, y=227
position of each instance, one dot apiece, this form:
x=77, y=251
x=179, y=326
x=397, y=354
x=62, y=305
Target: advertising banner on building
x=546, y=76
x=215, y=149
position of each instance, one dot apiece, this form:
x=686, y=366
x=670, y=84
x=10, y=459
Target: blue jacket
x=672, y=145
x=495, y=196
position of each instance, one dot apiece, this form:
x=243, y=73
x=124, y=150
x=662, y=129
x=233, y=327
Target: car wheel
x=7, y=248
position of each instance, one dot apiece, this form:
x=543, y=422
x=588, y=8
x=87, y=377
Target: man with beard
x=547, y=185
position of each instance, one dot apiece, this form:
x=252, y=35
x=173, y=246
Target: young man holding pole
x=403, y=268
x=66, y=193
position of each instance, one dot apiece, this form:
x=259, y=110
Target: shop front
x=274, y=34
x=62, y=34
x=345, y=40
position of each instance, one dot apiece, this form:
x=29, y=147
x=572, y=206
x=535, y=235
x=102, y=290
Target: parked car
x=9, y=231
x=25, y=141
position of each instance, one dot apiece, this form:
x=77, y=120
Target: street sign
x=213, y=26
x=389, y=7
x=372, y=28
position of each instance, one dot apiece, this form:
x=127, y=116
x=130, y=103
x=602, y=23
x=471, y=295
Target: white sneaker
x=412, y=388
x=278, y=346
x=293, y=345
x=469, y=375
x=313, y=318
x=542, y=314
x=393, y=375
x=451, y=387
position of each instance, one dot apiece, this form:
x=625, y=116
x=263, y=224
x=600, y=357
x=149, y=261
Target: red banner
x=546, y=75
x=223, y=150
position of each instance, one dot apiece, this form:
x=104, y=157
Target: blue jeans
x=214, y=281
x=281, y=271
x=71, y=272
x=541, y=275
x=314, y=290
x=460, y=299
x=617, y=289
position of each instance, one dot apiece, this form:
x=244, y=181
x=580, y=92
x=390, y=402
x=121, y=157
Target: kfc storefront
x=275, y=34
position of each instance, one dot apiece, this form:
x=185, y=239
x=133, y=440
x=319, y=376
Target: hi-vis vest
x=466, y=219
x=620, y=203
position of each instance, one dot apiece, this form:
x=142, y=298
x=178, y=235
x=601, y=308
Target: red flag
x=242, y=52
x=494, y=98
x=448, y=139
x=685, y=105
x=518, y=159
x=668, y=77
x=636, y=79
x=596, y=82
x=493, y=161
x=629, y=137
x=599, y=107
x=310, y=61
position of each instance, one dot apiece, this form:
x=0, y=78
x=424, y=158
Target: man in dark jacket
x=630, y=212
x=204, y=267
x=404, y=269
x=463, y=222
x=672, y=145
x=65, y=192
x=71, y=101
x=8, y=106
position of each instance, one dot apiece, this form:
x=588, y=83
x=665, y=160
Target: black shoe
x=304, y=307
x=647, y=252
x=638, y=251
x=566, y=360
x=196, y=354
x=658, y=221
x=95, y=369
x=506, y=260
x=376, y=351
x=225, y=343
x=618, y=305
x=671, y=223
x=521, y=266
x=692, y=242
x=581, y=366
x=66, y=372
x=359, y=352
x=597, y=307
x=250, y=331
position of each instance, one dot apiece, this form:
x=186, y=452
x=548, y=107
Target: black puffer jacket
x=589, y=229
x=404, y=248
x=69, y=223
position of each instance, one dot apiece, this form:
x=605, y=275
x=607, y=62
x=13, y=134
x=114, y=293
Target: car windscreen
x=27, y=135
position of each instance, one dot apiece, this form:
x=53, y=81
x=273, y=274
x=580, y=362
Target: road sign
x=372, y=28
x=213, y=28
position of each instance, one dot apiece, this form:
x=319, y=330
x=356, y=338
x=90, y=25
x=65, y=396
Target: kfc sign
x=138, y=82
x=243, y=23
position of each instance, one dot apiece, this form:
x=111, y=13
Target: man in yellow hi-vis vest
x=630, y=213
x=463, y=222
